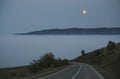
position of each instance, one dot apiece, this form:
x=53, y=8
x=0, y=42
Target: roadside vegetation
x=46, y=61
x=45, y=65
x=106, y=60
x=82, y=52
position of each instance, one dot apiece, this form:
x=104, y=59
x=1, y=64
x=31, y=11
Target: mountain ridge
x=76, y=31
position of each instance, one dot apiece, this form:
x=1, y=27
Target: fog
x=20, y=50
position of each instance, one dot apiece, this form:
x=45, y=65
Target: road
x=76, y=71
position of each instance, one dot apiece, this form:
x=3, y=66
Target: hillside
x=105, y=60
x=76, y=31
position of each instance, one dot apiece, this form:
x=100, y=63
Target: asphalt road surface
x=76, y=71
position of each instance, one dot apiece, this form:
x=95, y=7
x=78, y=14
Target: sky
x=18, y=16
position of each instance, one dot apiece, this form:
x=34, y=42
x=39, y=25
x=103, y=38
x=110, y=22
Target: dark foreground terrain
x=23, y=73
x=45, y=65
x=106, y=60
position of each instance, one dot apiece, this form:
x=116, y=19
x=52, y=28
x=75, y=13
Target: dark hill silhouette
x=76, y=31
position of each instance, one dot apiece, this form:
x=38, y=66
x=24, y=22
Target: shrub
x=46, y=61
x=61, y=62
x=111, y=45
x=65, y=62
x=58, y=62
x=82, y=52
x=34, y=66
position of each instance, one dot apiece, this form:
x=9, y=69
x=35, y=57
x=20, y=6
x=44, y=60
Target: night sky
x=17, y=16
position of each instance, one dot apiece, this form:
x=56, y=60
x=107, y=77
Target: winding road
x=76, y=71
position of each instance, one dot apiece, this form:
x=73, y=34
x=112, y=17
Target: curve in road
x=76, y=71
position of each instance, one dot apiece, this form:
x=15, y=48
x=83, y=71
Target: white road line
x=77, y=72
x=56, y=72
x=96, y=72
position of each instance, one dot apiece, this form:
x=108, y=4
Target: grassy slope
x=23, y=73
x=107, y=62
x=16, y=72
